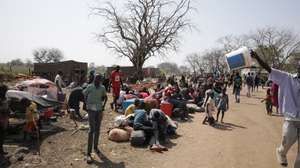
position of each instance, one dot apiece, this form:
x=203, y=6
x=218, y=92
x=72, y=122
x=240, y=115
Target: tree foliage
x=144, y=28
x=47, y=55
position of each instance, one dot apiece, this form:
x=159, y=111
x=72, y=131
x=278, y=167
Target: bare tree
x=277, y=46
x=196, y=63
x=184, y=69
x=16, y=62
x=46, y=55
x=230, y=42
x=209, y=61
x=147, y=28
x=28, y=63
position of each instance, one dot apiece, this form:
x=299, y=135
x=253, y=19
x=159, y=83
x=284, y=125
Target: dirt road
x=247, y=139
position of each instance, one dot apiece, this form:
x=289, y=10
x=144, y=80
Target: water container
x=166, y=108
x=239, y=59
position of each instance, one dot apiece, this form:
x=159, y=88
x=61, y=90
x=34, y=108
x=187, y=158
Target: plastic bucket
x=166, y=108
x=239, y=59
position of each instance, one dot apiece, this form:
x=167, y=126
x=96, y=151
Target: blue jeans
x=95, y=118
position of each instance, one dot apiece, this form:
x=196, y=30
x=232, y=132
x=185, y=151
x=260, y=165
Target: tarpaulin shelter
x=39, y=87
x=41, y=101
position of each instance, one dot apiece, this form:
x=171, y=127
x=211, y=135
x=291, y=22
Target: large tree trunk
x=140, y=73
x=138, y=65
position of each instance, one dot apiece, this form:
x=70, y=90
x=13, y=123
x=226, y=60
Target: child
x=130, y=109
x=209, y=108
x=268, y=101
x=32, y=117
x=223, y=104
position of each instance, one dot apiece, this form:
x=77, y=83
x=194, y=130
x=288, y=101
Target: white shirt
x=289, y=94
x=58, y=80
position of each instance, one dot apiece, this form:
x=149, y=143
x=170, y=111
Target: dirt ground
x=247, y=139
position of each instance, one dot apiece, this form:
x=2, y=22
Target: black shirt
x=75, y=97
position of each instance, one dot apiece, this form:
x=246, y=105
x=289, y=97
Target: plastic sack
x=120, y=120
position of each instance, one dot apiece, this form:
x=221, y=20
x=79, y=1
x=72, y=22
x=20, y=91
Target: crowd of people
x=206, y=93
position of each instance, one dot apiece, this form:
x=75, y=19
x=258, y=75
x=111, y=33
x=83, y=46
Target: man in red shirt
x=116, y=83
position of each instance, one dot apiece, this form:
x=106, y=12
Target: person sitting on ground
x=32, y=117
x=159, y=118
x=174, y=98
x=144, y=93
x=4, y=115
x=186, y=93
x=142, y=122
x=223, y=104
x=268, y=102
x=130, y=109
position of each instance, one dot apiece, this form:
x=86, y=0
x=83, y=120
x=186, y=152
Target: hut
x=72, y=70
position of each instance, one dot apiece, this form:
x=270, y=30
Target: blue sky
x=66, y=24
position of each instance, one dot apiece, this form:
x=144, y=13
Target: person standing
x=223, y=104
x=91, y=77
x=60, y=85
x=237, y=87
x=94, y=94
x=249, y=83
x=59, y=82
x=4, y=114
x=274, y=93
x=257, y=81
x=268, y=102
x=32, y=118
x=289, y=105
x=116, y=83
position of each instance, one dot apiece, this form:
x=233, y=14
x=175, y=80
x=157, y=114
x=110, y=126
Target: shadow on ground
x=106, y=162
x=227, y=126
